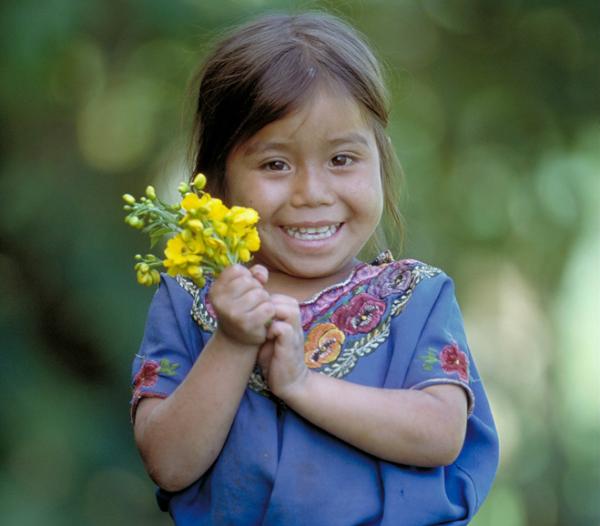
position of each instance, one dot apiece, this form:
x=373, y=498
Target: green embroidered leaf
x=429, y=360
x=167, y=367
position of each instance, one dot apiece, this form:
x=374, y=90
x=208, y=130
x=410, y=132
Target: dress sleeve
x=169, y=347
x=442, y=355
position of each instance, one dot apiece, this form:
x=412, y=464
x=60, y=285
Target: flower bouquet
x=206, y=235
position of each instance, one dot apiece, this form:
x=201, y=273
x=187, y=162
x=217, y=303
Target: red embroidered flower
x=147, y=375
x=362, y=314
x=453, y=360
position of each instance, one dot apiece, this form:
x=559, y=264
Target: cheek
x=368, y=197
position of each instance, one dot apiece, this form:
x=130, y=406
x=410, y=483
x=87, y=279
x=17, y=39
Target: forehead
x=328, y=115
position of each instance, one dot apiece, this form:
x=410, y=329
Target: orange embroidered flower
x=323, y=345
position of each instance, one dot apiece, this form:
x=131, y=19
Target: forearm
x=181, y=436
x=404, y=426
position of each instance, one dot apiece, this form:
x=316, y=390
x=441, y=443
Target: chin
x=316, y=269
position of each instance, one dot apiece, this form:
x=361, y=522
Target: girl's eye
x=342, y=160
x=276, y=166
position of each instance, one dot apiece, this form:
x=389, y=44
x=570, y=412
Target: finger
x=223, y=282
x=282, y=332
x=236, y=284
x=256, y=318
x=260, y=273
x=265, y=354
x=232, y=272
x=287, y=309
x=252, y=298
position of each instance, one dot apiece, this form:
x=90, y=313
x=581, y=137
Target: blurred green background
x=496, y=119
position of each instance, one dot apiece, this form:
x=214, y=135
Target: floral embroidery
x=394, y=279
x=147, y=376
x=451, y=359
x=362, y=314
x=344, y=322
x=429, y=360
x=323, y=345
x=321, y=303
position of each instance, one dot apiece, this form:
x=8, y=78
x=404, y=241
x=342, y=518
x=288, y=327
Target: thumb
x=260, y=273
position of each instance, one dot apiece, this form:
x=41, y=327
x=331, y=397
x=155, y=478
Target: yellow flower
x=215, y=209
x=209, y=236
x=195, y=225
x=220, y=228
x=244, y=255
x=190, y=202
x=252, y=241
x=242, y=218
x=176, y=251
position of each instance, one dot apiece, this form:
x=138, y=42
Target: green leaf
x=168, y=368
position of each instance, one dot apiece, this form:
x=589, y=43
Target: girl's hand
x=242, y=305
x=281, y=357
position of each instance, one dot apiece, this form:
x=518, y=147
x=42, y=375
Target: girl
x=331, y=391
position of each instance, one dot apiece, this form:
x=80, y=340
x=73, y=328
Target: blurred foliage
x=496, y=119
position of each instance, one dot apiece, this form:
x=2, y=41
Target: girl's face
x=314, y=178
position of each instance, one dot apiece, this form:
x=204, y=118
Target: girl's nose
x=312, y=187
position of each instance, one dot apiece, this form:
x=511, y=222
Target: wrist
x=226, y=342
x=296, y=391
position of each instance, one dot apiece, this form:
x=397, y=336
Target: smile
x=312, y=233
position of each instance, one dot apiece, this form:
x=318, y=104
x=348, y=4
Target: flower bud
x=183, y=188
x=151, y=192
x=195, y=272
x=129, y=199
x=134, y=221
x=199, y=182
x=144, y=279
x=186, y=235
x=155, y=275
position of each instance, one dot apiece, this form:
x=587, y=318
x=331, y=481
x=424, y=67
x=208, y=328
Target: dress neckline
x=337, y=285
x=381, y=259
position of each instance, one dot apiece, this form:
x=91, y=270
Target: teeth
x=312, y=233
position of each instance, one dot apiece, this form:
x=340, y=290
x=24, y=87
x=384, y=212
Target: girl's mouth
x=312, y=233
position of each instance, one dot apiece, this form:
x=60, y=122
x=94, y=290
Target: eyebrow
x=349, y=138
x=260, y=147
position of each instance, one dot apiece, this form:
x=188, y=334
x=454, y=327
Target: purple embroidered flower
x=362, y=314
x=453, y=360
x=397, y=277
x=147, y=375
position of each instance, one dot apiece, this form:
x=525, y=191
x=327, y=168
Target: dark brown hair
x=268, y=68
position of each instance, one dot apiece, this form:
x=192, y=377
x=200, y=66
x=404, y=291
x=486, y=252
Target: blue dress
x=392, y=324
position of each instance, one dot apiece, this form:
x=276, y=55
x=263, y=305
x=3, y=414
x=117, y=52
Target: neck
x=304, y=288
